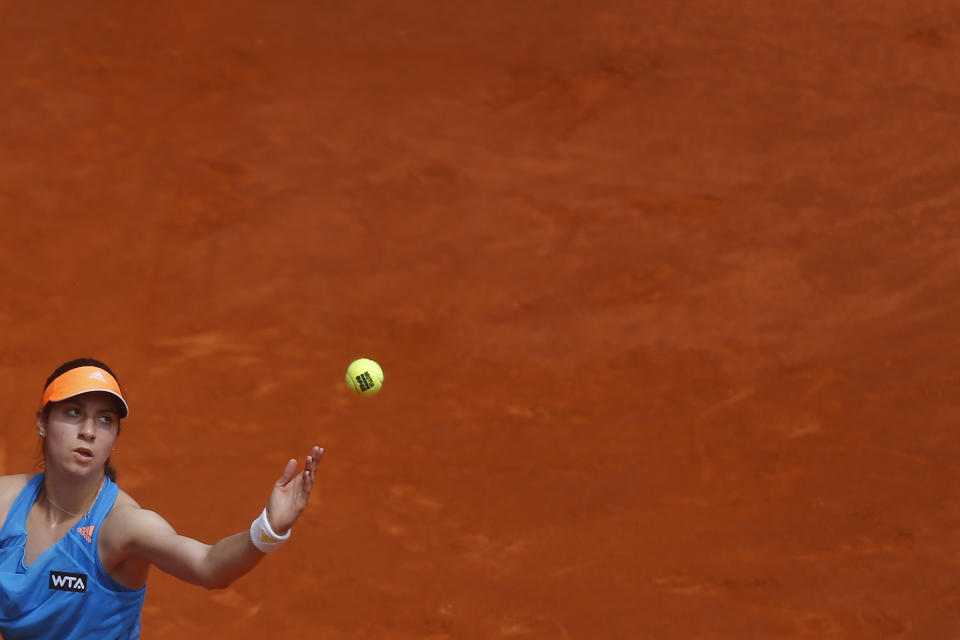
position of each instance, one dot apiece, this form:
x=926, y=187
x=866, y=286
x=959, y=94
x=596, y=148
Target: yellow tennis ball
x=364, y=377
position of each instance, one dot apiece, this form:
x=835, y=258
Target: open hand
x=291, y=493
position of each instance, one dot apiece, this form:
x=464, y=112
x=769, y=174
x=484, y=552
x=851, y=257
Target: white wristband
x=263, y=536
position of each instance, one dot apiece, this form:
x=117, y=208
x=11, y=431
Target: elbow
x=216, y=584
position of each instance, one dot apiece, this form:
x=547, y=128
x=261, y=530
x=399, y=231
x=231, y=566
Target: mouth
x=84, y=453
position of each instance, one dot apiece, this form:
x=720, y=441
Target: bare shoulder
x=14, y=483
x=126, y=513
x=124, y=499
x=10, y=488
x=128, y=521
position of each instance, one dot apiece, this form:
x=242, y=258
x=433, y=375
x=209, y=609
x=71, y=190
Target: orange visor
x=83, y=380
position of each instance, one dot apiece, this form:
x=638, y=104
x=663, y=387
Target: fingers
x=288, y=472
x=313, y=460
x=309, y=469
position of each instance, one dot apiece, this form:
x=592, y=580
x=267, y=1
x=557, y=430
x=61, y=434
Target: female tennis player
x=75, y=550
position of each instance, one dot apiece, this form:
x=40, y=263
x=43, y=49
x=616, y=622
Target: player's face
x=79, y=432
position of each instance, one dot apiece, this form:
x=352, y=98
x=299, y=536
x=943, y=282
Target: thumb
x=288, y=472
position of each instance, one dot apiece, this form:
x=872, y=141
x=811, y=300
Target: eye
x=73, y=412
x=105, y=419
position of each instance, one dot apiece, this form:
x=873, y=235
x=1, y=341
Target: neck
x=68, y=499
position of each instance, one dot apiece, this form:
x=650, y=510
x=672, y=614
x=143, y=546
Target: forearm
x=229, y=559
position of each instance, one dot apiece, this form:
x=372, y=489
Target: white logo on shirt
x=64, y=581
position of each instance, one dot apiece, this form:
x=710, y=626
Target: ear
x=41, y=423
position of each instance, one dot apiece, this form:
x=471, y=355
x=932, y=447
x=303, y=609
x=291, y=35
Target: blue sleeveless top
x=65, y=594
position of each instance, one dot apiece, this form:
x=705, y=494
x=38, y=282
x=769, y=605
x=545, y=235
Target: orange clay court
x=665, y=295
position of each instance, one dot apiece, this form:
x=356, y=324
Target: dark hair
x=108, y=470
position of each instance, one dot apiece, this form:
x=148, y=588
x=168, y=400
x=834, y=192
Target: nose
x=88, y=429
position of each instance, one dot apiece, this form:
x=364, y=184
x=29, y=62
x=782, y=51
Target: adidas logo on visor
x=96, y=375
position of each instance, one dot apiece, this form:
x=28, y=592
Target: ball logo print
x=365, y=381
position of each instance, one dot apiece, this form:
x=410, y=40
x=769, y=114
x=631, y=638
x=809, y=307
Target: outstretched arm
x=145, y=535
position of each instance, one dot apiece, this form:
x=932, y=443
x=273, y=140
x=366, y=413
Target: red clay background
x=665, y=294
